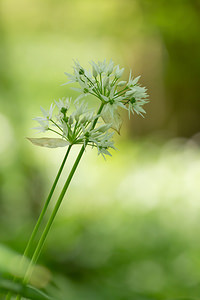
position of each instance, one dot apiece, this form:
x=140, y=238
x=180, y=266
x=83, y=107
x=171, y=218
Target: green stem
x=55, y=132
x=101, y=83
x=56, y=124
x=35, y=230
x=55, y=210
x=39, y=221
x=120, y=92
x=52, y=217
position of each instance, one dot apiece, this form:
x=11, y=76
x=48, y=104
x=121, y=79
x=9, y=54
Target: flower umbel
x=103, y=82
x=74, y=128
x=77, y=124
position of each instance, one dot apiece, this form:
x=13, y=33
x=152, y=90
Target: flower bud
x=85, y=91
x=81, y=71
x=110, y=67
x=118, y=72
x=76, y=117
x=132, y=100
x=83, y=120
x=63, y=110
x=106, y=81
x=70, y=121
x=94, y=71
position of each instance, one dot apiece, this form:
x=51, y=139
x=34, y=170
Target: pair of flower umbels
x=83, y=125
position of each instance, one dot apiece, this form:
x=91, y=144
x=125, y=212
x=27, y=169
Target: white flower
x=81, y=109
x=103, y=128
x=65, y=128
x=95, y=69
x=63, y=103
x=118, y=72
x=137, y=91
x=101, y=138
x=79, y=126
x=85, y=85
x=131, y=81
x=105, y=82
x=44, y=125
x=79, y=70
x=110, y=67
x=47, y=113
x=44, y=121
x=102, y=66
x=71, y=77
x=137, y=107
x=105, y=144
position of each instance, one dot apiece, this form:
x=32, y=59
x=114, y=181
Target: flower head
x=63, y=104
x=104, y=82
x=44, y=125
x=74, y=128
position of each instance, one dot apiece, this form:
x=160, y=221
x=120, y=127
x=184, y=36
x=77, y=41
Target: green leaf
x=113, y=118
x=49, y=142
x=16, y=265
x=28, y=292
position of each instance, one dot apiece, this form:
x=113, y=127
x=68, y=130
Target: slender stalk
x=56, y=124
x=120, y=92
x=35, y=230
x=98, y=113
x=39, y=221
x=50, y=221
x=50, y=129
x=55, y=210
x=59, y=201
x=52, y=217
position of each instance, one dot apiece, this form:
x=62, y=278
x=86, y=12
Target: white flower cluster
x=79, y=127
x=103, y=82
x=75, y=128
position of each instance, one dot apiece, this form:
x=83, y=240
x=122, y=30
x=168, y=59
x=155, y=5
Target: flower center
x=132, y=100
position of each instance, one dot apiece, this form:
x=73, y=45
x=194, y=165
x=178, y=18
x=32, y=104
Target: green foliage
x=143, y=238
x=121, y=242
x=27, y=292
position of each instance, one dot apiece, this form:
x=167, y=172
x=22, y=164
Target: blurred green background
x=129, y=227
